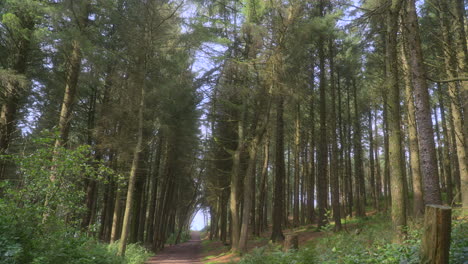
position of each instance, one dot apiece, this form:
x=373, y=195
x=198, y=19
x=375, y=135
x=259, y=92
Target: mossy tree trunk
x=394, y=123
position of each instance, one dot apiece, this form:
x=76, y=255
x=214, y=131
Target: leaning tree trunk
x=71, y=81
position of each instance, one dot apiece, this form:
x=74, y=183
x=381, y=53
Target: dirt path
x=188, y=252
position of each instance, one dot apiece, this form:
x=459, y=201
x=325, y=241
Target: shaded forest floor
x=216, y=252
x=365, y=240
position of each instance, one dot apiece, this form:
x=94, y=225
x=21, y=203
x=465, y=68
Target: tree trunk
x=249, y=180
x=322, y=155
x=334, y=164
x=423, y=111
x=394, y=124
x=450, y=59
x=311, y=185
x=372, y=162
x=263, y=189
x=278, y=199
x=349, y=170
x=378, y=185
x=297, y=141
x=418, y=202
x=235, y=175
x=440, y=155
x=12, y=93
x=360, y=190
x=435, y=241
x=447, y=148
x=116, y=215
x=458, y=9
x=154, y=189
x=386, y=180
x=133, y=172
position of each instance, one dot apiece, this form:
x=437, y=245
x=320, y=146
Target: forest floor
x=198, y=250
x=217, y=252
x=187, y=252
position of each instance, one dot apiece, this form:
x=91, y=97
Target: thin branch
x=455, y=79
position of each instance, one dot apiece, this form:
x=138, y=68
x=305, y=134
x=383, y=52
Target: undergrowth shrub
x=368, y=241
x=184, y=237
x=40, y=218
x=272, y=255
x=459, y=245
x=373, y=244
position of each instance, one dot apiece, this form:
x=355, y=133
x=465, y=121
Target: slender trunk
x=263, y=189
x=447, y=148
x=70, y=92
x=297, y=141
x=349, y=170
x=342, y=162
x=116, y=215
x=311, y=185
x=304, y=177
x=133, y=172
x=334, y=164
x=387, y=190
x=394, y=124
x=372, y=162
x=288, y=186
x=440, y=156
x=453, y=157
x=322, y=155
x=378, y=185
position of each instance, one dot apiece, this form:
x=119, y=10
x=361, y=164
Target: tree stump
x=435, y=243
x=291, y=242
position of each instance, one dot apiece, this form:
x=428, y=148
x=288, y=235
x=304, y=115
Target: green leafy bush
x=372, y=244
x=459, y=245
x=184, y=237
x=40, y=212
x=269, y=255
